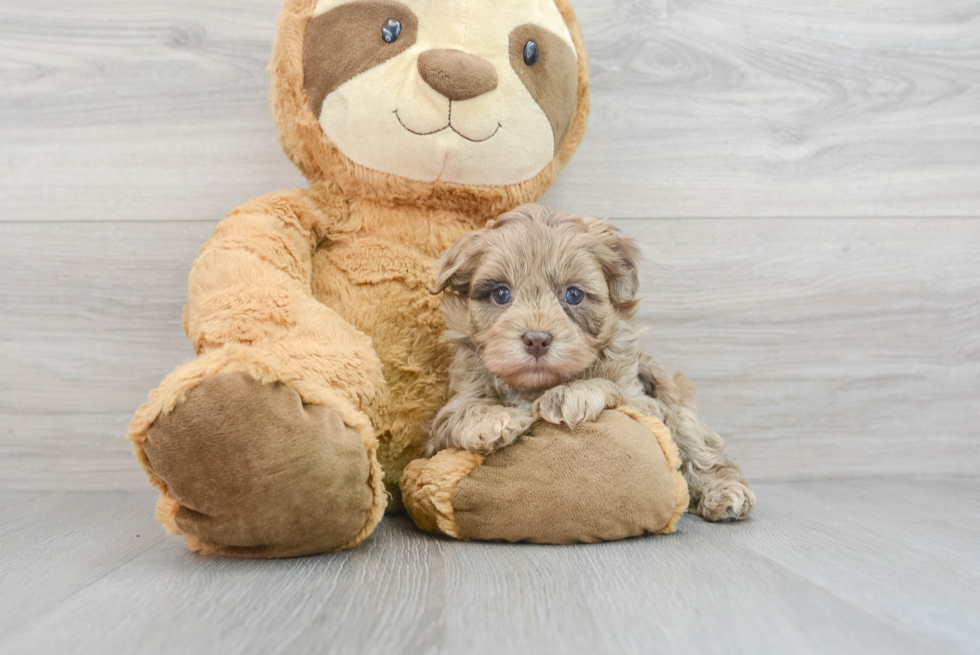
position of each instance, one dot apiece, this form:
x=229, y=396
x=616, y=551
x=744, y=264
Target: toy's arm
x=251, y=284
x=261, y=446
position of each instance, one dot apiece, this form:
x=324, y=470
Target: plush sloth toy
x=319, y=343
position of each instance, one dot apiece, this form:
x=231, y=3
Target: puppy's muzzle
x=537, y=343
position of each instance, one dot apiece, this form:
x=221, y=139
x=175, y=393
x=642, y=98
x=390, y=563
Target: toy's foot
x=599, y=481
x=252, y=471
x=723, y=497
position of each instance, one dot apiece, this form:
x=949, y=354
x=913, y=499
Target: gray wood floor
x=883, y=566
x=804, y=181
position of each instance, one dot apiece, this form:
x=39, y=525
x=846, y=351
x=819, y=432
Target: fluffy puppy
x=539, y=307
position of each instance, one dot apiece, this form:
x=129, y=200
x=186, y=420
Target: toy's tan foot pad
x=253, y=472
x=612, y=479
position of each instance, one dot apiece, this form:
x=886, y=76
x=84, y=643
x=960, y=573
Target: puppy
x=539, y=306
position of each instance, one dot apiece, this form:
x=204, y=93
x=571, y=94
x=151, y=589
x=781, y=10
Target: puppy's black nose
x=537, y=343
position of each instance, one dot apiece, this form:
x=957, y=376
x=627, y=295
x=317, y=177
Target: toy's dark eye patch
x=548, y=67
x=351, y=39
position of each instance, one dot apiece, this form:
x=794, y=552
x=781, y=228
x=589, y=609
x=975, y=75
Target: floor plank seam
x=884, y=622
x=161, y=539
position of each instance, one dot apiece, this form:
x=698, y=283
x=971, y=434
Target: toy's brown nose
x=457, y=75
x=537, y=343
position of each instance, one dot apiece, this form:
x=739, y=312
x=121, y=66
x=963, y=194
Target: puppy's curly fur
x=539, y=306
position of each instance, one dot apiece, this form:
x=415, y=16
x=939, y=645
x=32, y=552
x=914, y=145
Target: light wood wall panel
x=158, y=111
x=822, y=348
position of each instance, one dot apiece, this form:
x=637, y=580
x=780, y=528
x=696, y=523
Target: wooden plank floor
x=889, y=565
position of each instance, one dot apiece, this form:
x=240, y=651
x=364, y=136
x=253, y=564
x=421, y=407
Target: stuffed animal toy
x=319, y=343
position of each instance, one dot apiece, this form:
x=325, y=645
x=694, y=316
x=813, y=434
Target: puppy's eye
x=574, y=295
x=391, y=31
x=530, y=53
x=501, y=295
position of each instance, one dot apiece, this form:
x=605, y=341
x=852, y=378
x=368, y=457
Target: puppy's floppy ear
x=619, y=258
x=458, y=263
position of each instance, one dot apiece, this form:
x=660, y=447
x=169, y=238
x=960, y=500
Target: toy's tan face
x=465, y=91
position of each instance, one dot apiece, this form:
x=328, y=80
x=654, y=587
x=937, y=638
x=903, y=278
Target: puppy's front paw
x=724, y=499
x=568, y=405
x=494, y=429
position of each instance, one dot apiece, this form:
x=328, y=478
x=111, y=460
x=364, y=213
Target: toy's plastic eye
x=501, y=295
x=574, y=295
x=530, y=53
x=391, y=31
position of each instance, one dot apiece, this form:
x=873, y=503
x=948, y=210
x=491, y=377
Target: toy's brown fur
x=497, y=389
x=321, y=297
x=385, y=233
x=326, y=289
x=614, y=478
x=323, y=164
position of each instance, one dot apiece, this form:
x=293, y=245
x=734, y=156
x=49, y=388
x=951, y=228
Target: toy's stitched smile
x=447, y=126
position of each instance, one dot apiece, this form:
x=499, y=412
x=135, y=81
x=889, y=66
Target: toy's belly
x=383, y=289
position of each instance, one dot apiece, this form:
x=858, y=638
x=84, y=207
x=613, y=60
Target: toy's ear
x=458, y=264
x=619, y=258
